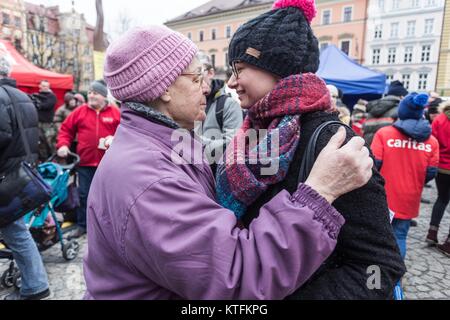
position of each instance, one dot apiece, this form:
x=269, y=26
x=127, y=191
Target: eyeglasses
x=199, y=76
x=235, y=69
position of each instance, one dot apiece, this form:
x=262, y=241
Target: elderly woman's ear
x=166, y=97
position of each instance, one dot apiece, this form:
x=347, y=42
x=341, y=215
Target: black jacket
x=380, y=113
x=12, y=151
x=45, y=106
x=365, y=240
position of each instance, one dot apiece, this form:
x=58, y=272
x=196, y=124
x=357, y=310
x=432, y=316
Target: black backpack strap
x=220, y=105
x=310, y=153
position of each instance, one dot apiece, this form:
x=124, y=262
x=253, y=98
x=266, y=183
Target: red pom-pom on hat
x=308, y=7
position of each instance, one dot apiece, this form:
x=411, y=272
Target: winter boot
x=445, y=247
x=432, y=238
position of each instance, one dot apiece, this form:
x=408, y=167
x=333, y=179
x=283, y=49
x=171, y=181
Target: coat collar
x=180, y=142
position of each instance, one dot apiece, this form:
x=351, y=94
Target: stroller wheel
x=7, y=279
x=70, y=250
x=17, y=280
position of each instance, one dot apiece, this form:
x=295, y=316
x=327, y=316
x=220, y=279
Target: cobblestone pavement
x=428, y=274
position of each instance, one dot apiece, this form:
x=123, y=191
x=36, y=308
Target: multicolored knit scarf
x=241, y=179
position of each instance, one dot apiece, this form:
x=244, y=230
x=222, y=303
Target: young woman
x=273, y=76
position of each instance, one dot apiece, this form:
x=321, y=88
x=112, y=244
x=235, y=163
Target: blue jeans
x=85, y=175
x=401, y=229
x=26, y=254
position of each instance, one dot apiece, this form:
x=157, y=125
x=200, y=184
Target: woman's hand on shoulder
x=340, y=169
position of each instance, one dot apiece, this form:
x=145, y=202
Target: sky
x=140, y=12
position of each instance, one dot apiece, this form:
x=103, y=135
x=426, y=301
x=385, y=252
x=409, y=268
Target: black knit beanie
x=280, y=41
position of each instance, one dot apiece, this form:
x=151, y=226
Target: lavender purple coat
x=156, y=232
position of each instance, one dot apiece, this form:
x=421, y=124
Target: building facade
x=13, y=23
x=443, y=76
x=343, y=24
x=212, y=25
x=76, y=47
x=42, y=36
x=403, y=40
x=50, y=39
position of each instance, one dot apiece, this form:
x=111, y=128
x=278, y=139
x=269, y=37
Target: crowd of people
x=161, y=225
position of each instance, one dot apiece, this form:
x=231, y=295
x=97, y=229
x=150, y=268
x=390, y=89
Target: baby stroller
x=44, y=225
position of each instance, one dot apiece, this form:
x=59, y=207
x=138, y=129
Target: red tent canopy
x=28, y=76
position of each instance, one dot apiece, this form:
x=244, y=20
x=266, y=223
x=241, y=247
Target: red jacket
x=405, y=163
x=89, y=126
x=441, y=130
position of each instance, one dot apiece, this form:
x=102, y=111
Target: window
x=426, y=50
x=408, y=54
x=326, y=16
x=411, y=28
x=228, y=32
x=405, y=80
x=213, y=34
x=391, y=55
x=415, y=3
x=347, y=17
x=34, y=40
x=18, y=44
x=323, y=45
x=213, y=60
x=62, y=46
x=376, y=56
x=200, y=36
x=35, y=59
x=5, y=18
x=227, y=60
x=395, y=4
x=17, y=22
x=189, y=35
x=394, y=30
x=389, y=78
x=429, y=26
x=381, y=4
x=378, y=31
x=430, y=3
x=345, y=46
x=423, y=77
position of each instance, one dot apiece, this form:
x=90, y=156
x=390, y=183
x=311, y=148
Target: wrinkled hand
x=339, y=170
x=63, y=152
x=108, y=141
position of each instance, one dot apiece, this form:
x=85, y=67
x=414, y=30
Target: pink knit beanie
x=144, y=62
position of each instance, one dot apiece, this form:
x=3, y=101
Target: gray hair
x=5, y=66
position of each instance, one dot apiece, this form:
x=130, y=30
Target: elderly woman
x=274, y=77
x=155, y=228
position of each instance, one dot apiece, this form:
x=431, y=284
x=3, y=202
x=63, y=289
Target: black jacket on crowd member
x=380, y=113
x=46, y=102
x=12, y=152
x=365, y=240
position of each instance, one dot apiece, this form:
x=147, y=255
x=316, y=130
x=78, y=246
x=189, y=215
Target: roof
x=216, y=6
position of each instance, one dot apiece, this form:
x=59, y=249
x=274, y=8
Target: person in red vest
x=407, y=156
x=94, y=124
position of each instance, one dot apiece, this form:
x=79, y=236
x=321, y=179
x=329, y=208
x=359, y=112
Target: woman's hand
x=339, y=170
